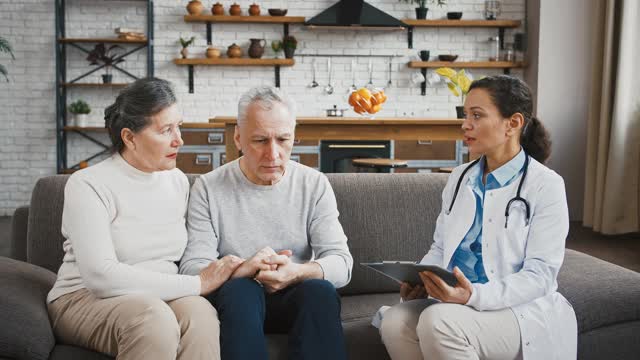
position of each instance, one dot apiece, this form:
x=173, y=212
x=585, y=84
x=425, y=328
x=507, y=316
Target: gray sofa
x=385, y=216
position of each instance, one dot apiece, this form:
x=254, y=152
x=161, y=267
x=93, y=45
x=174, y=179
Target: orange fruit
x=354, y=98
x=358, y=109
x=374, y=109
x=380, y=97
x=365, y=104
x=365, y=93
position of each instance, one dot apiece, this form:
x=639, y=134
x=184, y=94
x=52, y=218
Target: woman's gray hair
x=265, y=96
x=134, y=107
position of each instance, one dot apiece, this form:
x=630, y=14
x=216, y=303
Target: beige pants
x=415, y=330
x=138, y=326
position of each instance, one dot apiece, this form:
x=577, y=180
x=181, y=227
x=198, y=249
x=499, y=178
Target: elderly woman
x=118, y=290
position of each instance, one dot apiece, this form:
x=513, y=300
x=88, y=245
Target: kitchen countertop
x=354, y=120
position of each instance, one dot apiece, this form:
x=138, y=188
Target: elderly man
x=261, y=202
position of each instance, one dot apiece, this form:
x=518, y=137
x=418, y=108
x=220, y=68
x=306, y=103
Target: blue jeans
x=308, y=311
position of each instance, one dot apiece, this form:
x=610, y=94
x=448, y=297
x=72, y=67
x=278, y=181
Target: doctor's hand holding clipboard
x=434, y=286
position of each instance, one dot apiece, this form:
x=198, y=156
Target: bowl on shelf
x=277, y=12
x=447, y=57
x=454, y=15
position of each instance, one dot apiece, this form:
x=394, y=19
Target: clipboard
x=406, y=271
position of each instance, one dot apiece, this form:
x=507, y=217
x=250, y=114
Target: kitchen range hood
x=356, y=15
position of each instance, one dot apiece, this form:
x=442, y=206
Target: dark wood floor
x=623, y=250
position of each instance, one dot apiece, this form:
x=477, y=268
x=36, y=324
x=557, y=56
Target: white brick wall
x=27, y=103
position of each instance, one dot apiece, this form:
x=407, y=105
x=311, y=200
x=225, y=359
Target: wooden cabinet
x=195, y=163
x=203, y=148
x=207, y=137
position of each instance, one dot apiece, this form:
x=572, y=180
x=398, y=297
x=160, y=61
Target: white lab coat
x=521, y=262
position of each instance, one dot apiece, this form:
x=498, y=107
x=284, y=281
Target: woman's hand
x=438, y=289
x=407, y=292
x=217, y=272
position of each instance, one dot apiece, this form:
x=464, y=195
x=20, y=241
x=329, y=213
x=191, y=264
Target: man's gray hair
x=265, y=96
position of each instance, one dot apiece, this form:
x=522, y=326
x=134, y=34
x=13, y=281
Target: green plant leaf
x=3, y=71
x=5, y=46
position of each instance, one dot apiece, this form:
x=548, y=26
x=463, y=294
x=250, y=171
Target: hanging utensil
x=390, y=65
x=353, y=86
x=314, y=83
x=329, y=89
x=370, y=73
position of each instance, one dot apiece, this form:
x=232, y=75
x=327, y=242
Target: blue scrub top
x=468, y=255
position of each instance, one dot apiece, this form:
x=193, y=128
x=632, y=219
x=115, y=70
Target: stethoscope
x=513, y=200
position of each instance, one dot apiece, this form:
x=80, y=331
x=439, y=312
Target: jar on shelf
x=508, y=54
x=494, y=48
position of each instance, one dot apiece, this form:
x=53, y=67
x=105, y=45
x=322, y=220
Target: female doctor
x=502, y=231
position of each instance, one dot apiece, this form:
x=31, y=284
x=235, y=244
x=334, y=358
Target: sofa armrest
x=25, y=332
x=19, y=227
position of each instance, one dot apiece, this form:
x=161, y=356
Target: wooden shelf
x=86, y=85
x=235, y=62
x=463, y=23
x=245, y=19
x=467, y=64
x=85, y=128
x=102, y=40
x=354, y=120
x=200, y=125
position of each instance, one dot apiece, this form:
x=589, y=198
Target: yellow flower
x=458, y=83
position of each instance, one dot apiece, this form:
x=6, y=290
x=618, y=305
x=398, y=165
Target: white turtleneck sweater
x=124, y=231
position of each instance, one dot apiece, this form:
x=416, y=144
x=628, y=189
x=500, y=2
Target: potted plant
x=276, y=45
x=185, y=44
x=458, y=83
x=422, y=9
x=289, y=44
x=6, y=48
x=79, y=109
x=106, y=55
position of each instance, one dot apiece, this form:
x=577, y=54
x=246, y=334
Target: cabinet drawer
x=195, y=163
x=425, y=150
x=311, y=160
x=192, y=137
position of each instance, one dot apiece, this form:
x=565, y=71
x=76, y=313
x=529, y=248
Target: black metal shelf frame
x=209, y=25
x=61, y=80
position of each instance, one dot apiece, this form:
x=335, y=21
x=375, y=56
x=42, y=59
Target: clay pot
x=195, y=7
x=256, y=49
x=184, y=52
x=217, y=9
x=234, y=51
x=254, y=10
x=235, y=10
x=213, y=53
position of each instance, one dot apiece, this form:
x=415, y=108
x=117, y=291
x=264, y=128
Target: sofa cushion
x=386, y=217
x=19, y=233
x=44, y=237
x=363, y=307
x=363, y=341
x=601, y=293
x=25, y=332
x=68, y=352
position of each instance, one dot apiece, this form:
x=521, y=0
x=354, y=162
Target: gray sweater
x=228, y=214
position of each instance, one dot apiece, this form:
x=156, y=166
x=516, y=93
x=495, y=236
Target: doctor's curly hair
x=512, y=95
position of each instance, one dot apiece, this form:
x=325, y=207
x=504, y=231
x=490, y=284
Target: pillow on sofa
x=25, y=332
